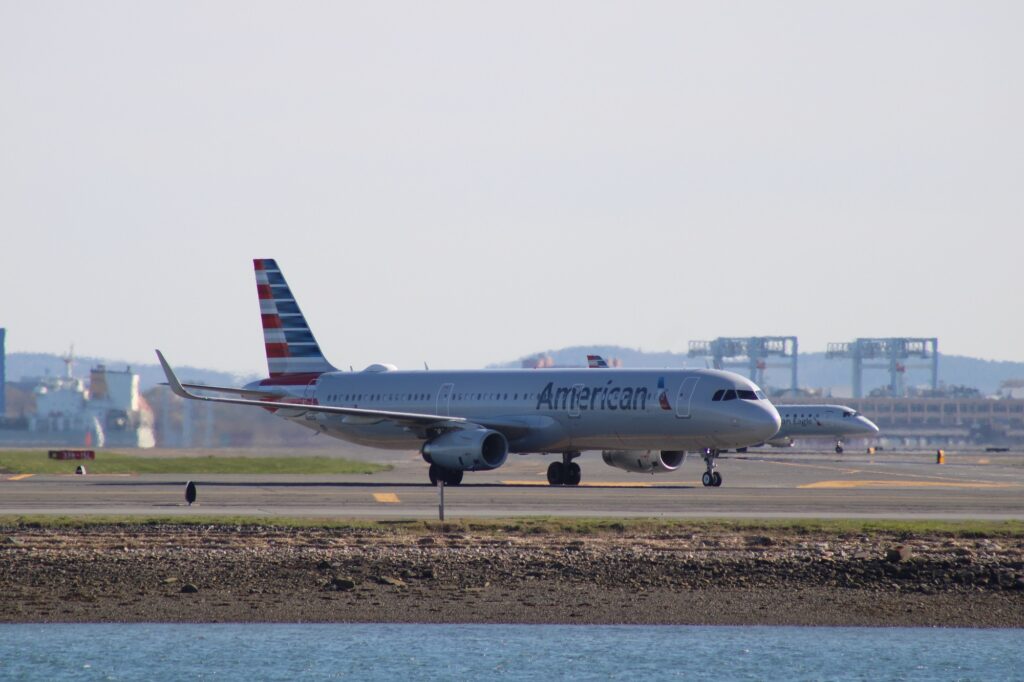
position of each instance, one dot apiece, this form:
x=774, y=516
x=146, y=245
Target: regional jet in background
x=642, y=420
x=834, y=422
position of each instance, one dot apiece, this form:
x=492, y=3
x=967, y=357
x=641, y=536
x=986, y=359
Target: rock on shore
x=250, y=573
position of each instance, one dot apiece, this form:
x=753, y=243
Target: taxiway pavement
x=908, y=485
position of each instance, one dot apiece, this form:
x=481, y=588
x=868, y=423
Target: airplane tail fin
x=291, y=348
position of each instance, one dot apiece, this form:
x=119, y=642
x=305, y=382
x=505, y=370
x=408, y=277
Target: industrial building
x=109, y=411
x=887, y=353
x=755, y=351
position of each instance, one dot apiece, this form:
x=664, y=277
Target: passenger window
x=718, y=395
x=729, y=395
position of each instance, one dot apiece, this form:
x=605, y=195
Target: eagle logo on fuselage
x=663, y=395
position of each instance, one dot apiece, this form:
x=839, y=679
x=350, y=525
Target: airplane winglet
x=172, y=380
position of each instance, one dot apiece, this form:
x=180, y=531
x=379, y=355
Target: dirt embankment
x=218, y=573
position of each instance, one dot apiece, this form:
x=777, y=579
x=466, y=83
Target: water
x=510, y=652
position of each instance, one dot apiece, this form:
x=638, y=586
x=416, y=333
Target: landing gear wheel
x=711, y=477
x=556, y=473
x=453, y=477
x=572, y=474
x=434, y=473
x=839, y=449
x=741, y=449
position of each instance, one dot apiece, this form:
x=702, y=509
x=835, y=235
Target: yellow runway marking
x=842, y=470
x=592, y=484
x=845, y=470
x=904, y=484
x=386, y=498
x=20, y=477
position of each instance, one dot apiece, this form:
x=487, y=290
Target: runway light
x=190, y=493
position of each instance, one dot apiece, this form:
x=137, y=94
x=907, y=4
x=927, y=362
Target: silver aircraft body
x=833, y=422
x=642, y=420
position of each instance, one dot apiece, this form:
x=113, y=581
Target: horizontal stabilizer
x=246, y=392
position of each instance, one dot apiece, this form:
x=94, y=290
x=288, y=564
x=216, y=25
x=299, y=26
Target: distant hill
x=28, y=365
x=814, y=369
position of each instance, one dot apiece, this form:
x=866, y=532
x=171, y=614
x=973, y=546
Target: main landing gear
x=449, y=476
x=711, y=477
x=839, y=447
x=566, y=472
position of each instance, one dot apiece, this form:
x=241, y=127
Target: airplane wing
x=404, y=418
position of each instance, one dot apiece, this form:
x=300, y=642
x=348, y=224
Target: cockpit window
x=718, y=395
x=746, y=395
x=760, y=395
x=729, y=395
x=848, y=413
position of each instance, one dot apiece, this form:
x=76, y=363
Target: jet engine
x=644, y=461
x=467, y=450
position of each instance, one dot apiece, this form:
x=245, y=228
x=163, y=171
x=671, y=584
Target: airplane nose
x=868, y=425
x=764, y=423
x=774, y=419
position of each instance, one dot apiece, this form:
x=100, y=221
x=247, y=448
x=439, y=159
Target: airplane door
x=686, y=390
x=444, y=399
x=310, y=392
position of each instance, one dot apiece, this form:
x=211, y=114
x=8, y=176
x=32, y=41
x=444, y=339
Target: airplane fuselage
x=545, y=410
x=821, y=421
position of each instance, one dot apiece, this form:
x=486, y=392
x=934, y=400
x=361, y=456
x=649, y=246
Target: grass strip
x=36, y=462
x=548, y=526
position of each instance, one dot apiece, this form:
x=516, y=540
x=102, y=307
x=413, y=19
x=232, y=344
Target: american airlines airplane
x=642, y=420
x=821, y=421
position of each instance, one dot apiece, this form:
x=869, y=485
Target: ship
x=109, y=411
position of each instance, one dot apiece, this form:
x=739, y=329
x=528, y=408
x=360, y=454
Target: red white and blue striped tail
x=596, y=362
x=291, y=348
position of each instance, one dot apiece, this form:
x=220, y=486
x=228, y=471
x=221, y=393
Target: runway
x=789, y=485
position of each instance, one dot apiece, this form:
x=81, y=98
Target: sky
x=463, y=183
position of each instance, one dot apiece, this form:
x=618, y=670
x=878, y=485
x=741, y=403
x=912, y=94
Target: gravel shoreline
x=178, y=573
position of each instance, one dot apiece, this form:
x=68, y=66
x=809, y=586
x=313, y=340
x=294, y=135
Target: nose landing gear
x=839, y=447
x=566, y=472
x=711, y=477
